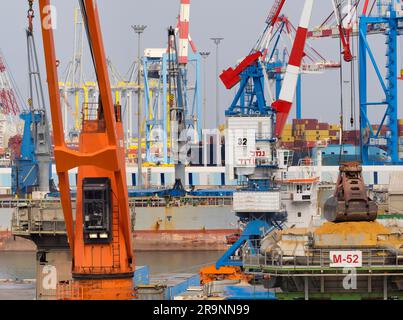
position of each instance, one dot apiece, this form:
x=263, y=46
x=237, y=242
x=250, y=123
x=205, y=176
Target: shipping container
x=287, y=139
x=311, y=126
x=141, y=275
x=316, y=132
x=248, y=292
x=323, y=126
x=167, y=286
x=256, y=201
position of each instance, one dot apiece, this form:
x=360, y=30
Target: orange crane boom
x=100, y=240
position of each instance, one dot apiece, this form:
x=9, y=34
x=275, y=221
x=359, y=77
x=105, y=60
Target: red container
x=334, y=132
x=311, y=126
x=323, y=126
x=287, y=145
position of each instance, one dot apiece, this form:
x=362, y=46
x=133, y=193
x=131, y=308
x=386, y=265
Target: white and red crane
x=287, y=93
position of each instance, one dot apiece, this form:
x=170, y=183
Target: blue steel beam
x=159, y=120
x=387, y=84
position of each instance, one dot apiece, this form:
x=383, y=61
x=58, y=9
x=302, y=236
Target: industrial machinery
x=156, y=105
x=100, y=240
x=388, y=22
x=376, y=17
x=176, y=71
x=176, y=81
x=344, y=31
x=350, y=201
x=253, y=129
x=275, y=45
x=32, y=170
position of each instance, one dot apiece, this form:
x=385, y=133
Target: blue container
x=141, y=276
x=176, y=283
x=184, y=282
x=237, y=292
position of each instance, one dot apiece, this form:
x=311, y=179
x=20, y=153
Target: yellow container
x=287, y=132
x=334, y=127
x=317, y=132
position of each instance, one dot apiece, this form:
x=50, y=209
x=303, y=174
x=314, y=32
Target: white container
x=247, y=142
x=154, y=52
x=38, y=195
x=257, y=201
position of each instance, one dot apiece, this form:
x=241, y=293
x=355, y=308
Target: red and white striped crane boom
x=231, y=77
x=270, y=21
x=183, y=28
x=287, y=93
x=344, y=32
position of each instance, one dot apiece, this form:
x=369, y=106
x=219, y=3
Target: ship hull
x=182, y=240
x=147, y=240
x=181, y=228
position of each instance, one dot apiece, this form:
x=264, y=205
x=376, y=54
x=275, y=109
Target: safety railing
x=24, y=221
x=92, y=118
x=69, y=290
x=318, y=259
x=185, y=201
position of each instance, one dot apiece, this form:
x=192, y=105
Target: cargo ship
x=204, y=219
x=201, y=220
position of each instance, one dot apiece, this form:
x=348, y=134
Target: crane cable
x=353, y=116
x=87, y=30
x=30, y=16
x=341, y=105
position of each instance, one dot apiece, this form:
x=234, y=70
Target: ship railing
x=13, y=203
x=24, y=222
x=185, y=201
x=307, y=162
x=318, y=259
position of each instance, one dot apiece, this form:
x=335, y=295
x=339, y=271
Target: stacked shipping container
x=306, y=133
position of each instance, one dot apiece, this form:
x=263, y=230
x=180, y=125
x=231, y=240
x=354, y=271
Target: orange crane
x=100, y=240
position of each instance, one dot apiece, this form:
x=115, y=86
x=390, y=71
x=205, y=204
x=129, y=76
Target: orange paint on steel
x=102, y=270
x=55, y=107
x=211, y=273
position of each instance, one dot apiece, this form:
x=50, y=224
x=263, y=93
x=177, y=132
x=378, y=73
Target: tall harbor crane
x=176, y=82
x=100, y=238
x=157, y=129
x=363, y=19
x=32, y=170
x=253, y=131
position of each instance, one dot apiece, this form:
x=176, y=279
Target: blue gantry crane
x=388, y=21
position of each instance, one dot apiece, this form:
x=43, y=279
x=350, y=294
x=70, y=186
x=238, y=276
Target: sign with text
x=345, y=259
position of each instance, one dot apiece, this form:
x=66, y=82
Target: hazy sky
x=239, y=22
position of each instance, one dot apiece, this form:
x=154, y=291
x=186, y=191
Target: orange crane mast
x=100, y=240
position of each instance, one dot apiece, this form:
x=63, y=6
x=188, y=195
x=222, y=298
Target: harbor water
x=21, y=265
